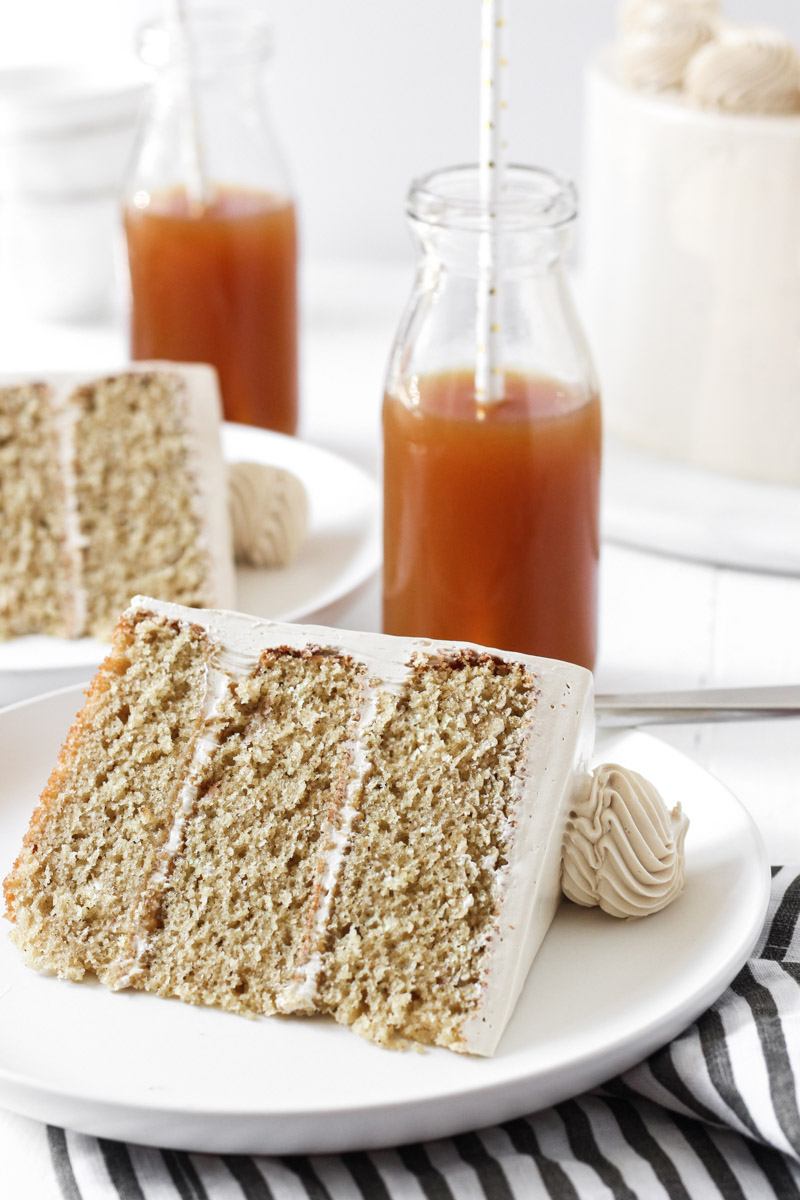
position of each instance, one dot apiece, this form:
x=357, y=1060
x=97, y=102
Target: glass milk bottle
x=491, y=501
x=209, y=217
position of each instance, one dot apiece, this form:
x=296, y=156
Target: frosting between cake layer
x=238, y=644
x=300, y=993
x=65, y=416
x=220, y=673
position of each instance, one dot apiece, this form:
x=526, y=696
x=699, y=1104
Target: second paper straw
x=191, y=146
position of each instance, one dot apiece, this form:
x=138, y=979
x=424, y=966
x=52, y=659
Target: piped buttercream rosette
x=746, y=69
x=660, y=38
x=269, y=514
x=634, y=13
x=624, y=849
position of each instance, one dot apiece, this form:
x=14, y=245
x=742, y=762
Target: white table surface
x=664, y=623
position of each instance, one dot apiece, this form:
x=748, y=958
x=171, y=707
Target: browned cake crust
x=108, y=806
x=115, y=663
x=34, y=566
x=280, y=831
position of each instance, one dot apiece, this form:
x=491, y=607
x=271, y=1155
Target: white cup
x=65, y=137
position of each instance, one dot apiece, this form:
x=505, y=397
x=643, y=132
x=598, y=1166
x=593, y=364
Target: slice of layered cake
x=110, y=486
x=272, y=818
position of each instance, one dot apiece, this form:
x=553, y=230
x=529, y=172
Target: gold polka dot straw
x=489, y=384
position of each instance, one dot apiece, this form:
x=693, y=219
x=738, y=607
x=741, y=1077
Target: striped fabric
x=714, y=1114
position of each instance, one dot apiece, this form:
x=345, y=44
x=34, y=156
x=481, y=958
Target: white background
x=367, y=94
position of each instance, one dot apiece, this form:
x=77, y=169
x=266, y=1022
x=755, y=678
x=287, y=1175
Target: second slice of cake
x=272, y=818
x=110, y=485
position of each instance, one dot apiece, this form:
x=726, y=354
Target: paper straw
x=191, y=147
x=489, y=382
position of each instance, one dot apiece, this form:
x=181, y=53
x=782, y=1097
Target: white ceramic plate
x=342, y=549
x=601, y=994
x=654, y=504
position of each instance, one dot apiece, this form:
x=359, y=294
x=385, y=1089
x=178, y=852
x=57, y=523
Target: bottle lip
x=214, y=31
x=532, y=199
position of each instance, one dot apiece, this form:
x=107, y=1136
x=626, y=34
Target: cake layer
x=115, y=484
x=417, y=897
x=109, y=805
x=350, y=824
x=235, y=915
x=34, y=570
x=132, y=474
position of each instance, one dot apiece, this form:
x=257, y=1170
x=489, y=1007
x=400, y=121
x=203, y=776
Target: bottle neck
x=491, y=291
x=208, y=118
x=211, y=48
x=525, y=230
x=513, y=255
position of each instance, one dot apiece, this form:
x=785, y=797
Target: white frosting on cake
x=554, y=778
x=746, y=69
x=203, y=414
x=692, y=277
x=551, y=784
x=660, y=38
x=624, y=849
x=269, y=514
x=635, y=13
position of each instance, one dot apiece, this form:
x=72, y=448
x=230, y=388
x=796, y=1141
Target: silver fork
x=701, y=704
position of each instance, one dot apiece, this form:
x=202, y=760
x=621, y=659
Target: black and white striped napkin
x=714, y=1114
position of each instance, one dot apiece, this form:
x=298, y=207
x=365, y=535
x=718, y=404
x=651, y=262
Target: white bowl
x=66, y=134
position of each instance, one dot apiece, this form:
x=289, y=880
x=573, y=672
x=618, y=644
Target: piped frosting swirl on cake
x=747, y=69
x=634, y=12
x=660, y=39
x=685, y=47
x=624, y=849
x=269, y=514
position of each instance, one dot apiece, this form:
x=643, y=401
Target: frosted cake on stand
x=692, y=268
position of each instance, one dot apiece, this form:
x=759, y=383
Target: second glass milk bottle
x=491, y=504
x=209, y=218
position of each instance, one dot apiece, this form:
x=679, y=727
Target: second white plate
x=601, y=995
x=341, y=552
x=655, y=504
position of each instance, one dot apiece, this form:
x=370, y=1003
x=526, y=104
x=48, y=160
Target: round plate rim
x=721, y=519
x=556, y=1081
x=335, y=591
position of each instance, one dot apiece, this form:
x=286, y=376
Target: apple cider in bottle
x=210, y=220
x=491, y=501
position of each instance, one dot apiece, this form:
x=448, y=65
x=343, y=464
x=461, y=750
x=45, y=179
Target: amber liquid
x=491, y=516
x=220, y=287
